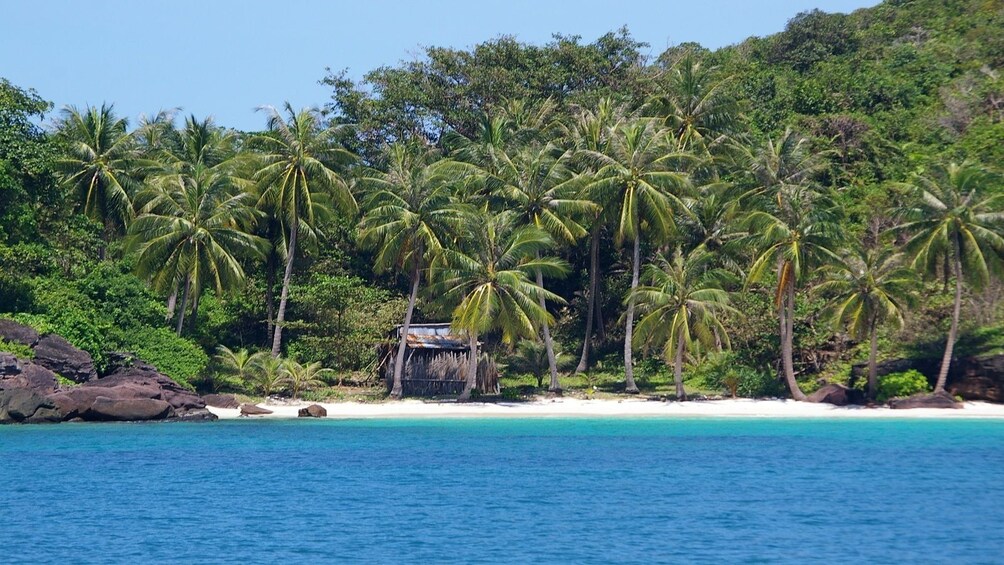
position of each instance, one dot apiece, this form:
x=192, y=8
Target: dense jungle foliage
x=753, y=219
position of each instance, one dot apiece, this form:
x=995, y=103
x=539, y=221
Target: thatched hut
x=435, y=362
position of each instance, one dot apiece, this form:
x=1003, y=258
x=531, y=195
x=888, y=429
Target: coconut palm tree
x=793, y=228
x=681, y=307
x=591, y=131
x=270, y=375
x=100, y=163
x=866, y=289
x=240, y=363
x=638, y=179
x=956, y=222
x=194, y=230
x=537, y=185
x=410, y=214
x=698, y=107
x=489, y=282
x=298, y=183
x=303, y=377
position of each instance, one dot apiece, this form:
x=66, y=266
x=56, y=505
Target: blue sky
x=226, y=57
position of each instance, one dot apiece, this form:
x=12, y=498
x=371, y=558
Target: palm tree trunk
x=552, y=362
x=396, y=391
x=678, y=369
x=601, y=327
x=195, y=308
x=630, y=386
x=172, y=302
x=281, y=314
x=953, y=332
x=872, y=361
x=788, y=345
x=184, y=304
x=269, y=292
x=594, y=267
x=472, y=369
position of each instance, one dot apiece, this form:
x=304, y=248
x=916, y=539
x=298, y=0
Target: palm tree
x=681, y=305
x=193, y=229
x=531, y=357
x=698, y=106
x=99, y=162
x=410, y=213
x=490, y=285
x=240, y=363
x=298, y=182
x=536, y=184
x=868, y=288
x=270, y=375
x=303, y=377
x=638, y=179
x=956, y=222
x=591, y=132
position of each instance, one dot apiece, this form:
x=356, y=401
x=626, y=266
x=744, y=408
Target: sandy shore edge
x=570, y=407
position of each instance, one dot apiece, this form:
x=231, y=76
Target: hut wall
x=434, y=372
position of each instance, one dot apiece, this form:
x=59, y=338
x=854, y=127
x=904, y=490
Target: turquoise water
x=505, y=490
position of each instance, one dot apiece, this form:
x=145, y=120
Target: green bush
x=721, y=371
x=901, y=384
x=174, y=356
x=18, y=350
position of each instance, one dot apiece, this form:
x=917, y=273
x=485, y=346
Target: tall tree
x=410, y=213
x=489, y=282
x=639, y=176
x=100, y=163
x=536, y=184
x=194, y=229
x=793, y=228
x=866, y=289
x=956, y=224
x=681, y=307
x=298, y=183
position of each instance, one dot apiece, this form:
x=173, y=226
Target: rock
x=935, y=400
x=972, y=378
x=26, y=405
x=221, y=400
x=118, y=360
x=252, y=410
x=60, y=356
x=312, y=411
x=203, y=415
x=34, y=377
x=127, y=410
x=9, y=365
x=156, y=385
x=837, y=394
x=18, y=333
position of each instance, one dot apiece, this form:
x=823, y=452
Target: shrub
x=901, y=384
x=174, y=356
x=18, y=350
x=721, y=371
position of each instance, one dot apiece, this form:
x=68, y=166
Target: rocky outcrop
x=252, y=410
x=312, y=411
x=18, y=333
x=22, y=405
x=221, y=400
x=972, y=378
x=837, y=394
x=936, y=400
x=61, y=357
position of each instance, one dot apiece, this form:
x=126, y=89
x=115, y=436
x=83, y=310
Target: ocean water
x=505, y=491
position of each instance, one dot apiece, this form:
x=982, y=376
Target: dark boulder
x=18, y=333
x=61, y=357
x=312, y=411
x=221, y=400
x=127, y=410
x=935, y=400
x=9, y=365
x=837, y=394
x=180, y=398
x=28, y=406
x=252, y=410
x=32, y=376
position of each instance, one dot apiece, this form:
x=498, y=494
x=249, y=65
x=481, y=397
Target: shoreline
x=579, y=408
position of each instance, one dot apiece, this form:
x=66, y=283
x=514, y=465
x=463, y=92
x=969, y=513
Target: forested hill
x=187, y=243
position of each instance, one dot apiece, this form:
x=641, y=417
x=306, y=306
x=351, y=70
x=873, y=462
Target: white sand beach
x=572, y=407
